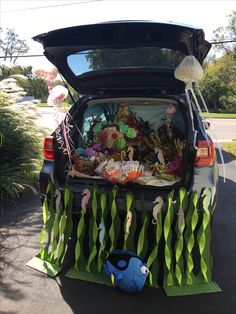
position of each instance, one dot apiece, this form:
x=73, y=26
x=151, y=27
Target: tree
x=34, y=86
x=22, y=70
x=146, y=56
x=219, y=84
x=15, y=70
x=227, y=33
x=12, y=46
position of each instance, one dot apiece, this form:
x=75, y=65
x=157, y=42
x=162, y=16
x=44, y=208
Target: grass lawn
x=44, y=104
x=230, y=147
x=220, y=115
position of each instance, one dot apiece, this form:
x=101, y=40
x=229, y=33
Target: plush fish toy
x=127, y=270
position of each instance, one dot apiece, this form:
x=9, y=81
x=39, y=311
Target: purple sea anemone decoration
x=175, y=166
x=90, y=152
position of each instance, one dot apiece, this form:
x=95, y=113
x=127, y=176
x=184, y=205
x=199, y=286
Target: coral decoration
x=175, y=166
x=122, y=114
x=84, y=166
x=90, y=152
x=109, y=136
x=124, y=148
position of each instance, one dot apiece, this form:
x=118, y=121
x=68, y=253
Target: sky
x=30, y=18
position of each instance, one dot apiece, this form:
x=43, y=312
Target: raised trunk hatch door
x=91, y=56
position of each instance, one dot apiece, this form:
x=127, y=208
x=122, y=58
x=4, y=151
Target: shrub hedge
x=19, y=152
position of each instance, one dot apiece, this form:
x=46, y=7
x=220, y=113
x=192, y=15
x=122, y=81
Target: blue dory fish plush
x=127, y=270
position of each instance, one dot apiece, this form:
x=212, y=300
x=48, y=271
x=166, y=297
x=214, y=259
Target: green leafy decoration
x=55, y=234
x=65, y=225
x=103, y=200
x=191, y=223
x=93, y=231
x=79, y=254
x=115, y=221
x=180, y=225
x=203, y=237
x=62, y=226
x=142, y=245
x=152, y=262
x=68, y=205
x=169, y=274
x=48, y=220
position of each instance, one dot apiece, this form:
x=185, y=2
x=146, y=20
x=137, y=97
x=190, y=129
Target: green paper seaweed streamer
x=58, y=214
x=44, y=229
x=115, y=221
x=130, y=223
x=152, y=262
x=102, y=234
x=203, y=237
x=65, y=225
x=62, y=227
x=191, y=223
x=180, y=225
x=169, y=274
x=47, y=222
x=93, y=231
x=79, y=254
x=142, y=245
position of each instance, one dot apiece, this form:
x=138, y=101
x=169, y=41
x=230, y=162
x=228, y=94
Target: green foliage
x=14, y=70
x=219, y=84
x=74, y=94
x=19, y=152
x=22, y=70
x=4, y=100
x=220, y=115
x=68, y=101
x=230, y=147
x=146, y=56
x=35, y=87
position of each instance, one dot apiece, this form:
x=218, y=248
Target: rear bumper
x=203, y=177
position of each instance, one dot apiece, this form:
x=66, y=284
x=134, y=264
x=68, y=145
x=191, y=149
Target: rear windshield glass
x=101, y=59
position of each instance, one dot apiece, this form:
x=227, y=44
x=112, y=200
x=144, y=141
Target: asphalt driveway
x=24, y=290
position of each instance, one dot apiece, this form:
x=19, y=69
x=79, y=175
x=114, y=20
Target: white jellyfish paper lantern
x=189, y=70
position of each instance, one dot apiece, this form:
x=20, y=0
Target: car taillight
x=205, y=154
x=48, y=150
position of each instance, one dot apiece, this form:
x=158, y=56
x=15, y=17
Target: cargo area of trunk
x=132, y=142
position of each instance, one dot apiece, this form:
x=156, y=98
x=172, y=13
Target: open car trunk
x=130, y=141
